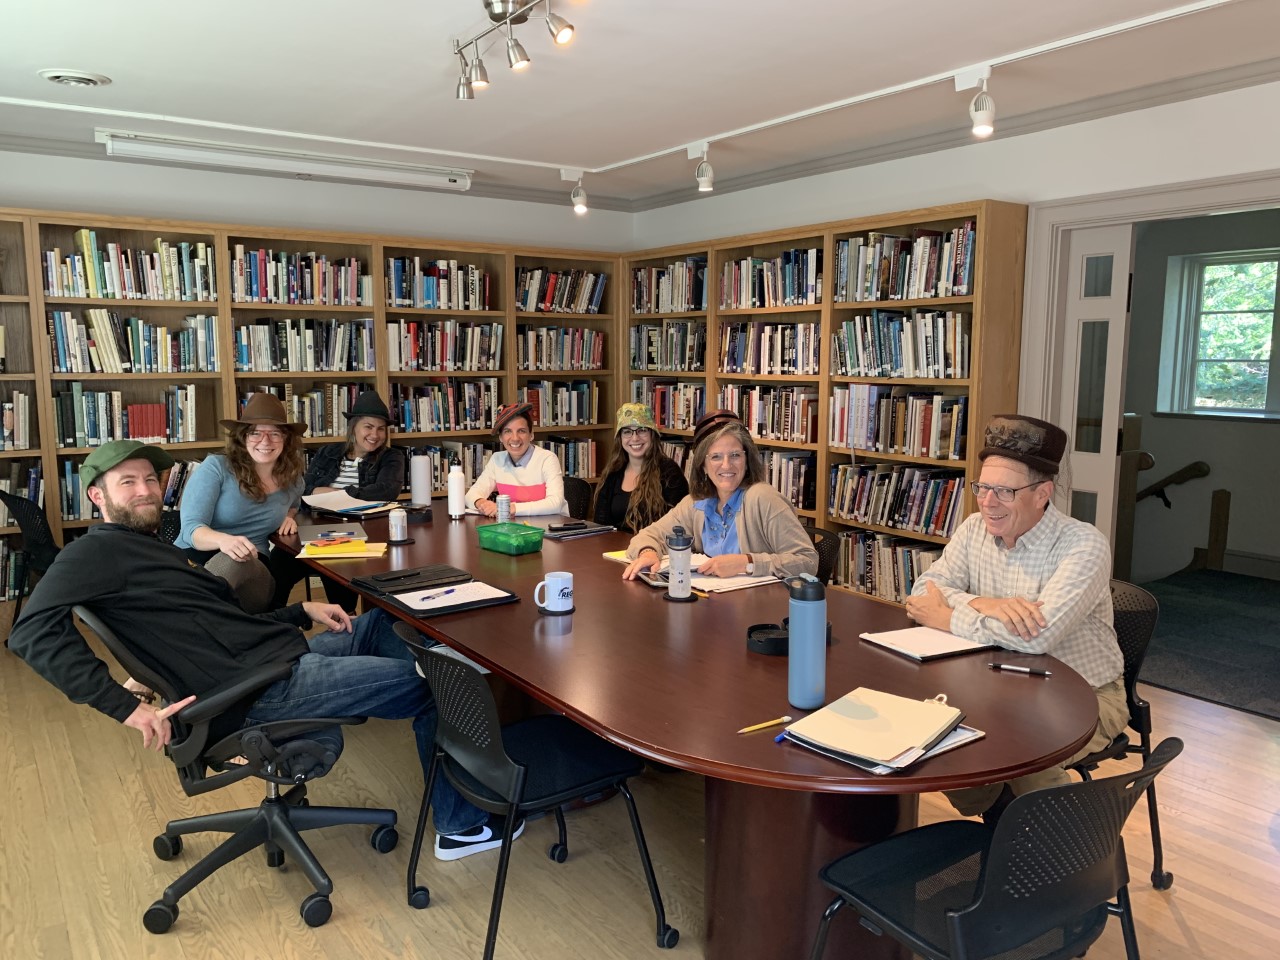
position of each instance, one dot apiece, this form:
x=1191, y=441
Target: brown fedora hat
x=264, y=408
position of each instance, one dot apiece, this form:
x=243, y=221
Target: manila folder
x=873, y=725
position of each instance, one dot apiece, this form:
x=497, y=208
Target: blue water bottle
x=807, y=642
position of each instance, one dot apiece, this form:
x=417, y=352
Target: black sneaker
x=487, y=836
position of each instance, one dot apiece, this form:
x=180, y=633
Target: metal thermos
x=807, y=642
x=457, y=484
x=680, y=560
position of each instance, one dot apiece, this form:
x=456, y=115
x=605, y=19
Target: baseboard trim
x=1252, y=564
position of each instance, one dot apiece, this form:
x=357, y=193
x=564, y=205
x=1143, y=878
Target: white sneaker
x=487, y=836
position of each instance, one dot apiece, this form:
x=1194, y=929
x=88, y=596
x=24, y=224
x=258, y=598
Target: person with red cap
x=528, y=474
x=1020, y=575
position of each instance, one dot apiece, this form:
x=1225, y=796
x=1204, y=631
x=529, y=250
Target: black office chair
x=1038, y=887
x=211, y=751
x=170, y=525
x=577, y=493
x=1134, y=613
x=38, y=546
x=531, y=766
x=828, y=546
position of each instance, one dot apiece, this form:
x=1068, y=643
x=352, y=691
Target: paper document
x=438, y=599
x=956, y=738
x=882, y=728
x=352, y=551
x=923, y=643
x=339, y=501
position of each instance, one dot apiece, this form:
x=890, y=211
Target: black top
x=178, y=618
x=613, y=501
x=380, y=477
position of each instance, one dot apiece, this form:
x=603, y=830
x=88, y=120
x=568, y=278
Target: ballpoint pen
x=1013, y=668
x=439, y=593
x=768, y=723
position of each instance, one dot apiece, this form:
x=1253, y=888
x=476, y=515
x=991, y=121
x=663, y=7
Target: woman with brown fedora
x=236, y=500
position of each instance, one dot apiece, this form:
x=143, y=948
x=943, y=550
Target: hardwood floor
x=82, y=801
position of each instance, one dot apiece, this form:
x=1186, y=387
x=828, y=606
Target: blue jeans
x=367, y=673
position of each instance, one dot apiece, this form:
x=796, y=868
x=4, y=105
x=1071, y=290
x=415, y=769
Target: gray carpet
x=1218, y=639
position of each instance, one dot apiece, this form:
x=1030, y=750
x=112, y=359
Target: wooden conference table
x=674, y=682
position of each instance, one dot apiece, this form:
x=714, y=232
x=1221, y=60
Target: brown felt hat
x=711, y=422
x=1037, y=443
x=265, y=408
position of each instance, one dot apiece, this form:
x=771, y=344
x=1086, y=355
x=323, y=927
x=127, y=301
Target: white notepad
x=923, y=643
x=443, y=598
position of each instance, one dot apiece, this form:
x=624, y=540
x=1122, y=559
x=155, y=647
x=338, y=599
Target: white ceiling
x=377, y=80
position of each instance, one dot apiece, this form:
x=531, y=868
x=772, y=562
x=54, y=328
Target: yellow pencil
x=768, y=723
x=701, y=593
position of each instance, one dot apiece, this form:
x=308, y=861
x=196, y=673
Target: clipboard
x=435, y=601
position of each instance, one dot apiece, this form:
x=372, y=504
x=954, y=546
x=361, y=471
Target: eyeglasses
x=719, y=458
x=274, y=436
x=1003, y=494
x=634, y=431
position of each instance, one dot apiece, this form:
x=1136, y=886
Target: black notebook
x=417, y=578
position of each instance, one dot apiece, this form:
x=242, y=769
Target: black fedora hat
x=368, y=404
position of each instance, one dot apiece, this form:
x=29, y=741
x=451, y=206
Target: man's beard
x=142, y=516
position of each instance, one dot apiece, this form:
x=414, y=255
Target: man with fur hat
x=1020, y=575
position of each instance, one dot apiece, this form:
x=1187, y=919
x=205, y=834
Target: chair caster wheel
x=384, y=839
x=316, y=910
x=166, y=847
x=420, y=898
x=159, y=917
x=1162, y=881
x=275, y=858
x=668, y=938
x=558, y=852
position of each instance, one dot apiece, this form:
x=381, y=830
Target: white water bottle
x=679, y=562
x=457, y=483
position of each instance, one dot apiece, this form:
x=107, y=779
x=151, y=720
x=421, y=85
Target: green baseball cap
x=116, y=452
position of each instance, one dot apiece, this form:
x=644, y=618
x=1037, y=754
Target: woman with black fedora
x=365, y=465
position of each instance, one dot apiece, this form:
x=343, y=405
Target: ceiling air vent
x=75, y=78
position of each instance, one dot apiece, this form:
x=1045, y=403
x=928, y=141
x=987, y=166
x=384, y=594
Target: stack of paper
x=342, y=548
x=707, y=584
x=339, y=501
x=923, y=643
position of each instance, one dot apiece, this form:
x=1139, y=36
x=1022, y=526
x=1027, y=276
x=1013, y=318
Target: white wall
x=1243, y=457
x=1174, y=143
x=112, y=187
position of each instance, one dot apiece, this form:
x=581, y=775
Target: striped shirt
x=1061, y=561
x=348, y=474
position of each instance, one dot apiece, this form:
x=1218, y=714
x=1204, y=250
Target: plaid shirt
x=1061, y=561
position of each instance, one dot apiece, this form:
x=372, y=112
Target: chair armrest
x=221, y=698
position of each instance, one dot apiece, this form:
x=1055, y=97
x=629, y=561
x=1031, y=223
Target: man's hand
x=1018, y=614
x=725, y=565
x=288, y=526
x=153, y=722
x=328, y=615
x=239, y=549
x=647, y=560
x=930, y=610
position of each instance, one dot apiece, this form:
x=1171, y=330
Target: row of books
x=13, y=571
x=25, y=479
x=674, y=345
x=541, y=290
x=886, y=266
x=105, y=342
x=16, y=421
x=678, y=287
x=87, y=418
x=578, y=457
x=559, y=348
x=880, y=565
x=884, y=419
x=792, y=278
x=925, y=500
x=176, y=482
x=321, y=407
x=170, y=271
x=793, y=474
x=303, y=345
x=278, y=276
x=675, y=405
x=771, y=412
x=471, y=455
x=444, y=345
x=889, y=343
x=677, y=450
x=562, y=403
x=453, y=405
x=436, y=284
x=770, y=348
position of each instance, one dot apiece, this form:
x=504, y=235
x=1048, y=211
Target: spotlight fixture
x=704, y=174
x=506, y=14
x=464, y=88
x=982, y=111
x=578, y=196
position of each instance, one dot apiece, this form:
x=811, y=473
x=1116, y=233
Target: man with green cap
x=185, y=622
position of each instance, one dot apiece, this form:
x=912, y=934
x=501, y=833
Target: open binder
x=871, y=729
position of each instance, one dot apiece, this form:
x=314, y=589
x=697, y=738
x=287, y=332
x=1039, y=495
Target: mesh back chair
x=1038, y=887
x=531, y=766
x=577, y=493
x=212, y=750
x=170, y=525
x=1135, y=612
x=38, y=546
x=828, y=546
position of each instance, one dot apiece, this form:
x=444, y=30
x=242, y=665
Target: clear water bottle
x=457, y=483
x=807, y=642
x=504, y=508
x=680, y=561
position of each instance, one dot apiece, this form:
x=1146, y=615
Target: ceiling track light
x=982, y=111
x=704, y=174
x=578, y=197
x=506, y=14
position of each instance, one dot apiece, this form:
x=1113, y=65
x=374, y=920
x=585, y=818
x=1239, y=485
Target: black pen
x=1016, y=669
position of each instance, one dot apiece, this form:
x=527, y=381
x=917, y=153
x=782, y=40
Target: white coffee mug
x=557, y=593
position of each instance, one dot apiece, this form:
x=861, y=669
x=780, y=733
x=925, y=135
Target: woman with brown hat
x=365, y=465
x=236, y=500
x=529, y=475
x=640, y=483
